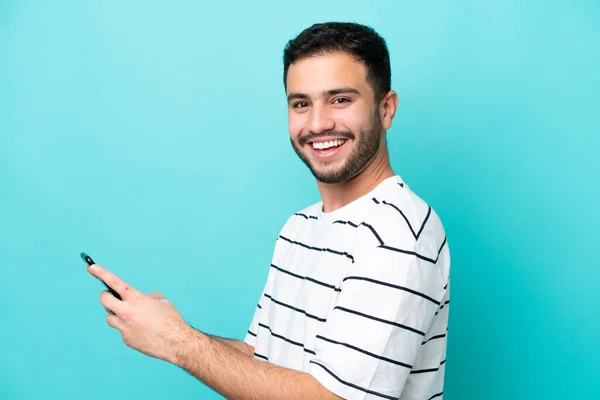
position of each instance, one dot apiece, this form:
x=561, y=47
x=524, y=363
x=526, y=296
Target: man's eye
x=341, y=100
x=300, y=104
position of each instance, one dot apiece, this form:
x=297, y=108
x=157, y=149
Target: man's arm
x=152, y=325
x=235, y=375
x=236, y=344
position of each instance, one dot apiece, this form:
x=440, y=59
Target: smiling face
x=334, y=123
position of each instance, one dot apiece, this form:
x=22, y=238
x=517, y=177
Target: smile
x=327, y=150
x=327, y=145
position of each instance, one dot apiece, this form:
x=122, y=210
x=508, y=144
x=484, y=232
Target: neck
x=338, y=195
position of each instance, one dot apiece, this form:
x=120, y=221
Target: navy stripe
x=434, y=301
x=307, y=278
x=412, y=253
x=351, y=384
x=306, y=216
x=286, y=339
x=422, y=371
x=443, y=335
x=340, y=253
x=294, y=308
x=424, y=222
x=252, y=333
x=408, y=328
x=401, y=213
x=442, y=246
x=415, y=235
x=364, y=351
x=436, y=395
x=374, y=232
x=352, y=224
x=261, y=356
x=442, y=306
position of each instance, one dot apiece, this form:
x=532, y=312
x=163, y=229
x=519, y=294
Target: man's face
x=333, y=121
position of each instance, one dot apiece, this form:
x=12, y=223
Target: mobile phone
x=89, y=261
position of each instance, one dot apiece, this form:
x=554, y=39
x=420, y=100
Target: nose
x=320, y=120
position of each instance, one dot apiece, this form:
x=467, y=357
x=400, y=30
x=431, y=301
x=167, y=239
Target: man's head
x=337, y=79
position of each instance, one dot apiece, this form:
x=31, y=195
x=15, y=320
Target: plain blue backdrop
x=153, y=135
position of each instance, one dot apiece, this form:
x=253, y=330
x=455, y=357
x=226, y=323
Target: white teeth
x=326, y=145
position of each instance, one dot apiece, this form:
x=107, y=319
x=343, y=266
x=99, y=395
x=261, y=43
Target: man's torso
x=312, y=259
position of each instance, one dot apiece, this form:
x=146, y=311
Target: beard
x=364, y=151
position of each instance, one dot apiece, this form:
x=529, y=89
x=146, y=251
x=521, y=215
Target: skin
x=151, y=324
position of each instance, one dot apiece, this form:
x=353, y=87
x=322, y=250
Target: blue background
x=153, y=135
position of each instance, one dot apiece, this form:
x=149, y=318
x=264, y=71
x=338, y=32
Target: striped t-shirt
x=358, y=297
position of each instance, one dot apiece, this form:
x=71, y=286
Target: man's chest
x=307, y=271
x=310, y=265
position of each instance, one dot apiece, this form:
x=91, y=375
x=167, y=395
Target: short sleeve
x=366, y=347
x=259, y=312
x=261, y=309
x=252, y=331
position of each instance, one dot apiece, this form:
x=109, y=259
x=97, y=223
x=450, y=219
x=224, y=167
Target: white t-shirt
x=358, y=297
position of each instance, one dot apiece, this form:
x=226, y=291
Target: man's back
x=359, y=297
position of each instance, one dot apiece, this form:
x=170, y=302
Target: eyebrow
x=327, y=93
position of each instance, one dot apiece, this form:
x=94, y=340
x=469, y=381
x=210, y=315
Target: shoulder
x=410, y=246
x=403, y=219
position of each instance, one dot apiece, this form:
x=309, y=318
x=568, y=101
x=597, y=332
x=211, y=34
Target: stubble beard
x=362, y=154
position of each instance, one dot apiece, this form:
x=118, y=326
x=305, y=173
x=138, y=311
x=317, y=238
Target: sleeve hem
x=333, y=385
x=250, y=339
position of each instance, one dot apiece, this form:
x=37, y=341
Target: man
x=355, y=305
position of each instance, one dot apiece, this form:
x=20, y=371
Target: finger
x=111, y=303
x=108, y=310
x=113, y=321
x=157, y=295
x=112, y=280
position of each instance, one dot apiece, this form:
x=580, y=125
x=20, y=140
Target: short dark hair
x=360, y=41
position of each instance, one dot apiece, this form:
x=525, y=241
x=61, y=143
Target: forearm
x=236, y=344
x=237, y=376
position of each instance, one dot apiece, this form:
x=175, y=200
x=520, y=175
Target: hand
x=148, y=323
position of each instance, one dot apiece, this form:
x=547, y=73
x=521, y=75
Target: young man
x=355, y=305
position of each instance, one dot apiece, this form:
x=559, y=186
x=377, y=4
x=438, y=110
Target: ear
x=388, y=108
